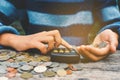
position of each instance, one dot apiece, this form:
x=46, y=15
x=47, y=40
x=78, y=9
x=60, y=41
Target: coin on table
x=54, y=64
x=41, y=75
x=49, y=73
x=33, y=63
x=26, y=68
x=69, y=72
x=12, y=54
x=47, y=63
x=3, y=78
x=55, y=69
x=61, y=72
x=4, y=58
x=22, y=63
x=26, y=75
x=3, y=69
x=63, y=65
x=14, y=65
x=40, y=68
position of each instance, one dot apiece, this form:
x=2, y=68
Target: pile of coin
x=28, y=65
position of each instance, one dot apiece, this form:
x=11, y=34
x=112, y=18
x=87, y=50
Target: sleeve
x=109, y=15
x=8, y=14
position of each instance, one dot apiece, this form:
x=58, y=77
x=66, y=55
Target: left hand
x=94, y=53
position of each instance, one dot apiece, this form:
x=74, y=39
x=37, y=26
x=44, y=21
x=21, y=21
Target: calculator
x=64, y=55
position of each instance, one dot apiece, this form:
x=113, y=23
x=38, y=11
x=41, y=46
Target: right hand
x=38, y=40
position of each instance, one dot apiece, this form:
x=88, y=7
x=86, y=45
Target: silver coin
x=33, y=63
x=63, y=65
x=34, y=73
x=3, y=69
x=40, y=68
x=5, y=63
x=19, y=70
x=47, y=63
x=77, y=67
x=55, y=69
x=23, y=63
x=26, y=68
x=14, y=65
x=41, y=75
x=102, y=45
x=54, y=64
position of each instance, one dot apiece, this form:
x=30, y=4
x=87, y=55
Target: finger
x=98, y=51
x=57, y=37
x=51, y=43
x=66, y=44
x=49, y=40
x=89, y=55
x=41, y=47
x=113, y=44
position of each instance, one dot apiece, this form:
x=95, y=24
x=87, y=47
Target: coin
x=55, y=69
x=12, y=54
x=55, y=51
x=54, y=64
x=61, y=72
x=63, y=65
x=47, y=63
x=26, y=68
x=41, y=76
x=69, y=72
x=3, y=69
x=14, y=65
x=102, y=44
x=4, y=58
x=40, y=68
x=22, y=63
x=33, y=63
x=49, y=73
x=26, y=75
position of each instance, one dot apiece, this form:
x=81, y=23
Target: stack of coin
x=28, y=65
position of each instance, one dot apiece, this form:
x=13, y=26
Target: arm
x=108, y=15
x=9, y=37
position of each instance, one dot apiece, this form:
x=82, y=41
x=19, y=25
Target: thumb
x=113, y=44
x=113, y=47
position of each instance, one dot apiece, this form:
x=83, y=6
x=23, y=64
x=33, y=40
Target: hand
x=95, y=54
x=38, y=40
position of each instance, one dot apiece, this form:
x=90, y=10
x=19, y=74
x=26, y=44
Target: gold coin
x=61, y=72
x=55, y=51
x=26, y=75
x=49, y=74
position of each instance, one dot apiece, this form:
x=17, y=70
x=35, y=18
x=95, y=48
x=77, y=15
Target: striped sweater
x=75, y=19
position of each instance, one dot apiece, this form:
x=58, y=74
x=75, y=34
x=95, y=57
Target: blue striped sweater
x=73, y=18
